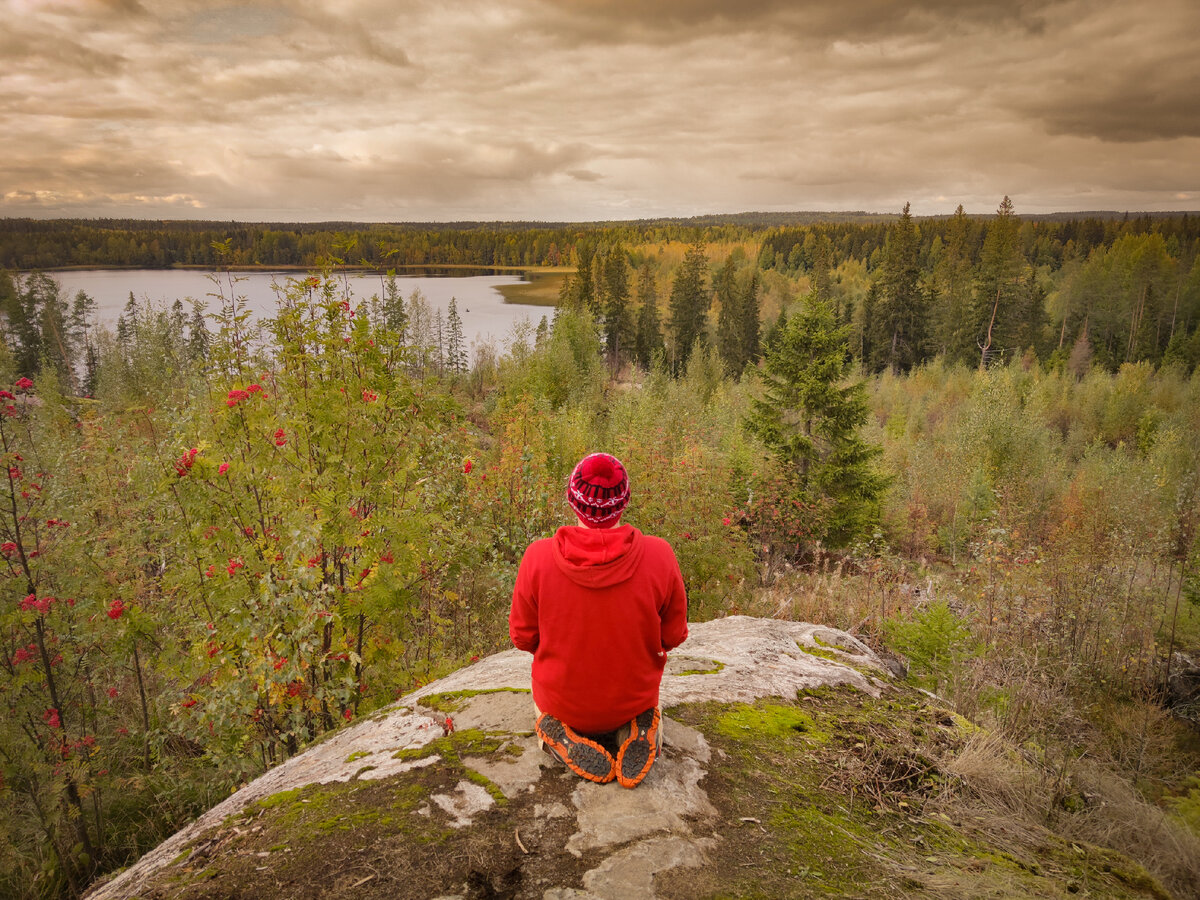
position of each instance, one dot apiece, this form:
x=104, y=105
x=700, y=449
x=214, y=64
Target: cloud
x=813, y=21
x=557, y=109
x=1130, y=75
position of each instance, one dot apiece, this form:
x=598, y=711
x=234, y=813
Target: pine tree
x=690, y=299
x=649, y=333
x=810, y=420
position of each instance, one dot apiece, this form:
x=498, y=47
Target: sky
x=583, y=110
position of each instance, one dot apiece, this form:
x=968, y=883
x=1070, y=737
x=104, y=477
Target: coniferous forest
x=970, y=440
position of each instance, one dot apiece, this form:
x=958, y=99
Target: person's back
x=599, y=605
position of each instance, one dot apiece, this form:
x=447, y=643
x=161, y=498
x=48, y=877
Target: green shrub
x=933, y=639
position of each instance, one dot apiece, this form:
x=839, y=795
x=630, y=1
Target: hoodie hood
x=598, y=557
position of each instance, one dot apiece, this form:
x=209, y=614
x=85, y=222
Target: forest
x=968, y=440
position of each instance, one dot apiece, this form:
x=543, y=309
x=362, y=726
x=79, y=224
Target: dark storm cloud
x=809, y=20
x=1146, y=99
x=1127, y=113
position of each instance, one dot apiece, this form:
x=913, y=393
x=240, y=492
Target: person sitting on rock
x=599, y=605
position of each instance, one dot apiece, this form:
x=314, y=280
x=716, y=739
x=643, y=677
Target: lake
x=486, y=317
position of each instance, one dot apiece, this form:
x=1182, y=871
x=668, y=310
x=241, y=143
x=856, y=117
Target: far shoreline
x=258, y=267
x=541, y=287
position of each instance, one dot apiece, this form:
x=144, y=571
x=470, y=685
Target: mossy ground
x=834, y=795
x=453, y=701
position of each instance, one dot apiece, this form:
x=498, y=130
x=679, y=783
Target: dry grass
x=989, y=770
x=1116, y=815
x=843, y=594
x=1012, y=797
x=1055, y=754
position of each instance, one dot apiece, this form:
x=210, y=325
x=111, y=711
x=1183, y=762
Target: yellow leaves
x=277, y=694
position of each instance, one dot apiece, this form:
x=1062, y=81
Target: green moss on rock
x=453, y=701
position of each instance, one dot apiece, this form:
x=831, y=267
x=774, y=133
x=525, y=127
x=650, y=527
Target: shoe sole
x=581, y=755
x=640, y=749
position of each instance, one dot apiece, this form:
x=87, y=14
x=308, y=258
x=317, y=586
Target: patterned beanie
x=598, y=489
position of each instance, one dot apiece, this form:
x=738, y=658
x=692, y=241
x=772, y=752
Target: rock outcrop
x=776, y=731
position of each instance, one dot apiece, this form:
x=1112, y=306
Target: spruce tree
x=618, y=319
x=729, y=319
x=899, y=316
x=456, y=345
x=951, y=328
x=649, y=333
x=199, y=338
x=998, y=287
x=83, y=312
x=177, y=331
x=822, y=282
x=582, y=286
x=750, y=327
x=690, y=299
x=439, y=332
x=809, y=418
x=395, y=317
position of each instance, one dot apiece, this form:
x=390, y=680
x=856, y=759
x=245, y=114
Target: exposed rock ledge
x=737, y=659
x=811, y=774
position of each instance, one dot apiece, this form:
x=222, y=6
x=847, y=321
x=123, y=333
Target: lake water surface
x=486, y=317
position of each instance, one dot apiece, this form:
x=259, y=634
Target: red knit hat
x=598, y=489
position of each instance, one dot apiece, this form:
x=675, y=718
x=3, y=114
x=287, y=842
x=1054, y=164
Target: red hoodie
x=598, y=608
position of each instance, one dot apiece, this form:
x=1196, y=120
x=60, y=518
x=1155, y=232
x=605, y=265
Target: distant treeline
x=28, y=244
x=1100, y=288
x=31, y=244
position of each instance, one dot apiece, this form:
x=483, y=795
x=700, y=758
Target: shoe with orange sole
x=637, y=754
x=581, y=755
